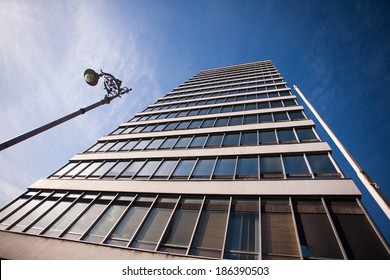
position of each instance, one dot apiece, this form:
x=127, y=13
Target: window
x=289, y=102
x=102, y=169
x=282, y=116
x=77, y=169
x=215, y=110
x=183, y=169
x=154, y=144
x=250, y=119
x=208, y=123
x=65, y=169
x=267, y=137
x=263, y=118
x=148, y=169
x=132, y=168
x=214, y=141
x=170, y=126
x=178, y=235
x=231, y=139
x=271, y=167
x=96, y=147
x=209, y=236
x=116, y=169
x=183, y=125
x=295, y=166
x=227, y=109
x=296, y=115
x=168, y=143
x=262, y=105
x=322, y=166
x=225, y=168
x=159, y=127
x=165, y=169
x=247, y=168
x=141, y=145
x=286, y=136
x=279, y=241
x=221, y=122
x=148, y=128
x=198, y=142
x=242, y=242
x=182, y=142
x=203, y=169
x=251, y=106
x=195, y=124
x=153, y=227
x=235, y=120
x=306, y=134
x=276, y=104
x=248, y=138
x=129, y=145
x=238, y=108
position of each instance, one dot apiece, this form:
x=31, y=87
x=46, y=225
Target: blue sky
x=337, y=52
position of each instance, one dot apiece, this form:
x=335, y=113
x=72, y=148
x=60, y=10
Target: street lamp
x=112, y=86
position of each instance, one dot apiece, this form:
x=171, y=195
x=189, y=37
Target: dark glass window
x=235, y=120
x=162, y=116
x=215, y=110
x=138, y=129
x=165, y=169
x=147, y=170
x=295, y=166
x=183, y=125
x=159, y=127
x=214, y=141
x=183, y=142
x=263, y=118
x=250, y=119
x=238, y=108
x=172, y=115
x=225, y=168
x=182, y=113
x=183, y=169
x=271, y=167
x=154, y=144
x=262, y=105
x=248, y=138
x=203, y=169
x=198, y=141
x=296, y=115
x=132, y=168
x=306, y=134
x=286, y=136
x=289, y=102
x=247, y=168
x=231, y=139
x=193, y=112
x=195, y=124
x=251, y=106
x=267, y=137
x=168, y=143
x=276, y=104
x=221, y=122
x=208, y=123
x=170, y=126
x=322, y=166
x=203, y=111
x=282, y=116
x=148, y=128
x=226, y=109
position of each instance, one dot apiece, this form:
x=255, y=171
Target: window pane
x=296, y=115
x=103, y=168
x=170, y=126
x=77, y=169
x=105, y=223
x=250, y=119
x=195, y=124
x=235, y=120
x=251, y=106
x=208, y=123
x=148, y=128
x=267, y=137
x=165, y=169
x=183, y=169
x=248, y=138
x=141, y=145
x=225, y=168
x=12, y=207
x=92, y=167
x=231, y=139
x=148, y=168
x=276, y=104
x=198, y=141
x=168, y=143
x=306, y=134
x=271, y=167
x=117, y=169
x=238, y=108
x=262, y=105
x=226, y=109
x=183, y=142
x=221, y=122
x=247, y=168
x=214, y=141
x=321, y=165
x=203, y=169
x=154, y=144
x=183, y=125
x=129, y=145
x=295, y=166
x=159, y=127
x=265, y=118
x=289, y=102
x=280, y=117
x=286, y=136
x=209, y=236
x=203, y=111
x=132, y=168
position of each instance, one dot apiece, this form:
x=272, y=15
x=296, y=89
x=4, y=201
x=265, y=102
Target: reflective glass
x=296, y=115
x=195, y=124
x=280, y=117
x=321, y=165
x=247, y=168
x=265, y=118
x=103, y=169
x=306, y=134
x=159, y=127
x=231, y=139
x=183, y=169
x=182, y=142
x=248, y=138
x=267, y=137
x=168, y=143
x=148, y=168
x=203, y=169
x=170, y=126
x=221, y=122
x=141, y=145
x=225, y=168
x=235, y=120
x=117, y=169
x=250, y=119
x=271, y=167
x=208, y=123
x=165, y=169
x=182, y=125
x=154, y=144
x=129, y=145
x=295, y=166
x=286, y=136
x=214, y=141
x=198, y=141
x=132, y=168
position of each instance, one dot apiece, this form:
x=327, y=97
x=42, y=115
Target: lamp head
x=91, y=77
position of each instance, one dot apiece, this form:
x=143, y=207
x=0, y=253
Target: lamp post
x=111, y=84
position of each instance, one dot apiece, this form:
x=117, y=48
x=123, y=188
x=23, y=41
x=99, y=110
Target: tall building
x=225, y=166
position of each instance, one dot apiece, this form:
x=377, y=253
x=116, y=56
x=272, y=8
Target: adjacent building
x=225, y=166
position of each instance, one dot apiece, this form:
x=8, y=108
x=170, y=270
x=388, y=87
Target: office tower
x=225, y=166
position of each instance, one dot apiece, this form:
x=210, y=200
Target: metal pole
x=370, y=185
x=45, y=127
